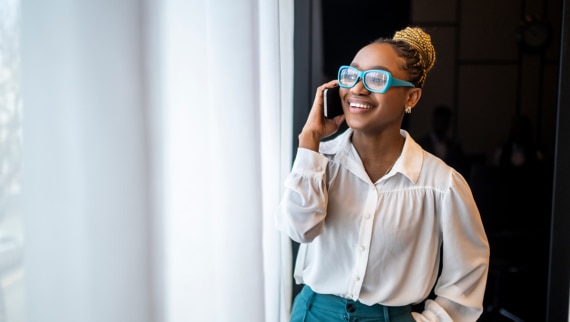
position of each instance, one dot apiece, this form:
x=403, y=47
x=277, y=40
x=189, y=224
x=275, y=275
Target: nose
x=358, y=88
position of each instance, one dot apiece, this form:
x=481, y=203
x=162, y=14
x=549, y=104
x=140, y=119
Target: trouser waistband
x=353, y=308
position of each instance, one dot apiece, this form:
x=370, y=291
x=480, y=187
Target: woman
x=375, y=214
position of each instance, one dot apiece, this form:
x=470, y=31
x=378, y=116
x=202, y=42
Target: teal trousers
x=313, y=307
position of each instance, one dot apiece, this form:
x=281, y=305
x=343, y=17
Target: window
x=11, y=232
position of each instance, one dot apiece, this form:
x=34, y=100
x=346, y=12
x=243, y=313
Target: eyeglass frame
x=391, y=80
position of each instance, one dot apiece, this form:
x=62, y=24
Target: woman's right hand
x=317, y=126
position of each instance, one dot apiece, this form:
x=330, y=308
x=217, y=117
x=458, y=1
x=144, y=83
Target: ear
x=413, y=97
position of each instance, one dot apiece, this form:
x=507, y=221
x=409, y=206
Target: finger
x=332, y=83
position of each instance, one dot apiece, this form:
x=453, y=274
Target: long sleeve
x=303, y=207
x=461, y=285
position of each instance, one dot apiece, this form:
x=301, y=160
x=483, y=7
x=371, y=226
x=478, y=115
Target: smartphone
x=333, y=104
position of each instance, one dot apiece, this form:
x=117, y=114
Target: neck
x=380, y=146
x=378, y=153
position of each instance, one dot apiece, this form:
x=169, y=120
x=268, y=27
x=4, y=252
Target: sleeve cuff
x=309, y=163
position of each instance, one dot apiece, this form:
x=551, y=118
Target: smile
x=364, y=106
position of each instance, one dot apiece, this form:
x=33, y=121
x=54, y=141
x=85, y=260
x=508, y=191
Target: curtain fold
x=276, y=65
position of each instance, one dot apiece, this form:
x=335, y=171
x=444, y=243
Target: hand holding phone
x=332, y=103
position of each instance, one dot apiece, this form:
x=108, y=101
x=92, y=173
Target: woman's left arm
x=461, y=286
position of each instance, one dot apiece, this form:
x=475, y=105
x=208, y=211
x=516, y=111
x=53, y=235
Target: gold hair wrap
x=420, y=41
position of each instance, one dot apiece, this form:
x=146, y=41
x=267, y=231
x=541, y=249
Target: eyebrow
x=373, y=67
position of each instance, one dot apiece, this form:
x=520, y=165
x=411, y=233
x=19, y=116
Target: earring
x=408, y=110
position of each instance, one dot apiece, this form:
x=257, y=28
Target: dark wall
x=559, y=278
x=350, y=25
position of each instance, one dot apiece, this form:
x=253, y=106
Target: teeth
x=360, y=105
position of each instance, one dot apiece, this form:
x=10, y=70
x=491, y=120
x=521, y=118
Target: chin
x=354, y=124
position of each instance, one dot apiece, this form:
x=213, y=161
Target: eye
x=351, y=75
x=376, y=79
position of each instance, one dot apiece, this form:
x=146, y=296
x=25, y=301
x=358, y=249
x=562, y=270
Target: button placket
x=364, y=240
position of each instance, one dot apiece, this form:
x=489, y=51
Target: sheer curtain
x=226, y=83
x=156, y=138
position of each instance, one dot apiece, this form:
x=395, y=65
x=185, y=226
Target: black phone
x=332, y=103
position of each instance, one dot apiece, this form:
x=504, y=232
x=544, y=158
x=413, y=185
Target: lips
x=360, y=105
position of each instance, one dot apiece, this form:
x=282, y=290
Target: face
x=375, y=112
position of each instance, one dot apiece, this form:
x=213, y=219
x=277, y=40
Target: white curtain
x=156, y=138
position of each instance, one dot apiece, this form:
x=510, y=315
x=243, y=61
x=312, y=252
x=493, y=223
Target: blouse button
x=362, y=248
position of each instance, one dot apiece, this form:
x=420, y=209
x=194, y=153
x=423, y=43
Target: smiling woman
x=396, y=221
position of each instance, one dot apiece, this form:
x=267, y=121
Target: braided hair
x=415, y=46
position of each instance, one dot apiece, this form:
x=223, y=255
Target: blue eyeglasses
x=374, y=80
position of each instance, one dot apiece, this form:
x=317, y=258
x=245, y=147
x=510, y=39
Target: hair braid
x=415, y=46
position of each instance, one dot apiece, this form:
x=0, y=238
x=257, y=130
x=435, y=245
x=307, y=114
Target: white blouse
x=381, y=242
